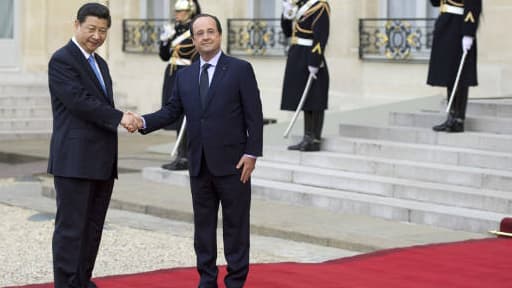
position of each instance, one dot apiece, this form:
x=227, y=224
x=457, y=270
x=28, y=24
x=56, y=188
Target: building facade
x=30, y=30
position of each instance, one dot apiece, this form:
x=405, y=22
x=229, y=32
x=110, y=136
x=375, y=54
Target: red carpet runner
x=475, y=263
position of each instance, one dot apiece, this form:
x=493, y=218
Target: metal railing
x=256, y=37
x=142, y=35
x=391, y=40
x=395, y=40
x=245, y=37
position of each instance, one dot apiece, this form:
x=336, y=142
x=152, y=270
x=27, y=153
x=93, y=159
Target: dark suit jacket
x=84, y=138
x=231, y=124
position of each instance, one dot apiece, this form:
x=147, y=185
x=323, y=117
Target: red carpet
x=475, y=263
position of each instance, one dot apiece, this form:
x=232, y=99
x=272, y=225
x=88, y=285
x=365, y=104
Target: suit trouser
x=208, y=192
x=81, y=209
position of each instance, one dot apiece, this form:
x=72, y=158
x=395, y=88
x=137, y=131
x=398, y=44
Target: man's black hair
x=217, y=22
x=93, y=9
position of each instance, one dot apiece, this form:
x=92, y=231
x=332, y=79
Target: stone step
x=24, y=101
x=493, y=108
x=23, y=135
x=26, y=124
x=472, y=123
x=418, y=152
x=23, y=89
x=471, y=140
x=401, y=186
x=482, y=199
x=44, y=111
x=501, y=108
x=355, y=203
x=403, y=169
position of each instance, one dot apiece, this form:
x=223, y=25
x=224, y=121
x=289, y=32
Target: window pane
x=264, y=9
x=402, y=8
x=6, y=19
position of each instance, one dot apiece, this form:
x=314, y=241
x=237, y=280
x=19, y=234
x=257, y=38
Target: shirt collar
x=86, y=55
x=212, y=61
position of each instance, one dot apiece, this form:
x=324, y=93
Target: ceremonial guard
x=455, y=33
x=177, y=48
x=307, y=23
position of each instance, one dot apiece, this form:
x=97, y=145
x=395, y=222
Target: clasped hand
x=132, y=122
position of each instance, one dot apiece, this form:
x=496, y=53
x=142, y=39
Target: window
x=157, y=9
x=408, y=9
x=265, y=9
x=6, y=19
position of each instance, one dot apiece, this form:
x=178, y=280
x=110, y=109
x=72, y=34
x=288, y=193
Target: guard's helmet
x=187, y=5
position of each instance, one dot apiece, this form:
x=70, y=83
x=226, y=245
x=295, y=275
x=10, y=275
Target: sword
x=301, y=104
x=180, y=137
x=456, y=81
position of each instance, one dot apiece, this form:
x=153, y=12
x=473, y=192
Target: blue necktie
x=204, y=84
x=97, y=72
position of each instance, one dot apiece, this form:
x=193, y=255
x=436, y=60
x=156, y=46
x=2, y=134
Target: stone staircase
x=401, y=170
x=25, y=109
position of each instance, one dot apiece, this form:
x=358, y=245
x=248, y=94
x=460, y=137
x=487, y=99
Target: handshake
x=132, y=122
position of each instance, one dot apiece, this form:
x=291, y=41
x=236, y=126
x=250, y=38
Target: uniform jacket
x=229, y=126
x=313, y=25
x=85, y=121
x=447, y=51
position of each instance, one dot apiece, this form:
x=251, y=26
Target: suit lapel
x=195, y=79
x=84, y=63
x=220, y=71
x=108, y=85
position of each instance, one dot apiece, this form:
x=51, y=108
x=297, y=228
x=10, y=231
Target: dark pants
x=208, y=192
x=459, y=104
x=81, y=209
x=313, y=124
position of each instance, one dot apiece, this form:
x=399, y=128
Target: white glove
x=289, y=10
x=167, y=33
x=313, y=70
x=467, y=42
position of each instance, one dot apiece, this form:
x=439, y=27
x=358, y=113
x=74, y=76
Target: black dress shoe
x=443, y=126
x=451, y=125
x=180, y=163
x=297, y=146
x=456, y=127
x=311, y=146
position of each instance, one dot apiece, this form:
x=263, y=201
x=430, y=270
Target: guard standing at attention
x=455, y=32
x=307, y=23
x=177, y=48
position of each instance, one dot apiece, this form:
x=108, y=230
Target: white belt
x=445, y=8
x=301, y=41
x=180, y=61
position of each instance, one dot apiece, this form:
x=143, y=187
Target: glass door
x=9, y=52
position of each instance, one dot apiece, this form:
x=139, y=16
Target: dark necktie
x=204, y=84
x=97, y=72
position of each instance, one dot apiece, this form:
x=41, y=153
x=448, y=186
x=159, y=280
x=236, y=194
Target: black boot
x=310, y=144
x=443, y=126
x=181, y=161
x=307, y=128
x=451, y=125
x=456, y=126
x=298, y=145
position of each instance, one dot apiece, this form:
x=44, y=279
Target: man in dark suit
x=83, y=148
x=220, y=98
